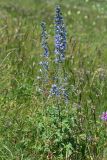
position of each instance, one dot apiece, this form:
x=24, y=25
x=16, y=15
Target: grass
x=31, y=127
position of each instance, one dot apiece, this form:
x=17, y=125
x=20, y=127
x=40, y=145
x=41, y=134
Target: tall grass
x=35, y=126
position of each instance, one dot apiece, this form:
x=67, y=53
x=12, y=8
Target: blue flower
x=58, y=88
x=44, y=65
x=43, y=71
x=60, y=36
x=44, y=40
x=55, y=90
x=44, y=62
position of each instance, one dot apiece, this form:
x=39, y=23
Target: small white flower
x=78, y=12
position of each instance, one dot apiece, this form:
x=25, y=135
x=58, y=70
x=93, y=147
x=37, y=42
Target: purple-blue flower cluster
x=104, y=116
x=58, y=88
x=45, y=55
x=44, y=40
x=55, y=90
x=60, y=36
x=59, y=92
x=44, y=64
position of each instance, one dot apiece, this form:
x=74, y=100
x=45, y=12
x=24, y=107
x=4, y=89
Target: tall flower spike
x=44, y=40
x=45, y=55
x=60, y=36
x=44, y=65
x=58, y=88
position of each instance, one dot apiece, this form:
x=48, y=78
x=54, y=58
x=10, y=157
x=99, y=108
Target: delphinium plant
x=58, y=91
x=44, y=63
x=59, y=79
x=67, y=134
x=58, y=88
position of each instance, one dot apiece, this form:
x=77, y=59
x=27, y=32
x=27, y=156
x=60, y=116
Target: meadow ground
x=33, y=125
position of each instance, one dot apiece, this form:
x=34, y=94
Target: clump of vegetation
x=52, y=90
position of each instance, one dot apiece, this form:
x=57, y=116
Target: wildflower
x=58, y=92
x=58, y=88
x=104, y=116
x=78, y=12
x=60, y=36
x=44, y=62
x=65, y=96
x=55, y=90
x=44, y=65
x=38, y=77
x=43, y=71
x=44, y=40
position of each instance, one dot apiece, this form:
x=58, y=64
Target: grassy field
x=34, y=125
